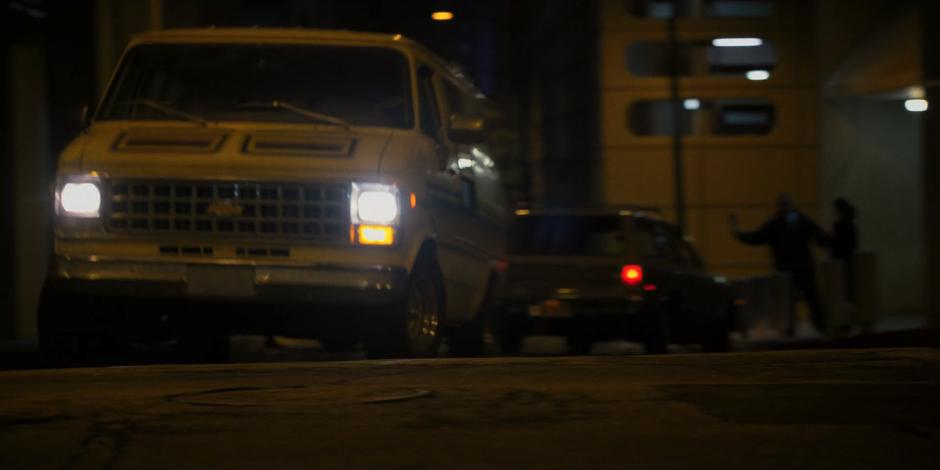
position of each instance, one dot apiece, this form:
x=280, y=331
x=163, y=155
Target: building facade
x=747, y=115
x=815, y=98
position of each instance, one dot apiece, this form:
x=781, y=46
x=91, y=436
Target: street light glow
x=916, y=105
x=737, y=42
x=757, y=75
x=691, y=104
x=442, y=16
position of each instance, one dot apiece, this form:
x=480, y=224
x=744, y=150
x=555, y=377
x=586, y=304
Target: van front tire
x=414, y=326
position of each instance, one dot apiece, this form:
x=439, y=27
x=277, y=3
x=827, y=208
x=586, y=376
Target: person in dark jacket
x=789, y=233
x=845, y=243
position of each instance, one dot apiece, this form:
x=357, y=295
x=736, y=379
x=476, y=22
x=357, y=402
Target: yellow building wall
x=723, y=174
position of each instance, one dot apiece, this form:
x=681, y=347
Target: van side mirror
x=466, y=129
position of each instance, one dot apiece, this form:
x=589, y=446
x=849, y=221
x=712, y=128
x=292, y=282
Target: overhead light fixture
x=691, y=104
x=916, y=105
x=442, y=16
x=757, y=75
x=737, y=42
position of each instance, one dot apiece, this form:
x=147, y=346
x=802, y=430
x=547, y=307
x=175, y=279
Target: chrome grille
x=316, y=211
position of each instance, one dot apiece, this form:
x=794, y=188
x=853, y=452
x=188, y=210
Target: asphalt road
x=803, y=409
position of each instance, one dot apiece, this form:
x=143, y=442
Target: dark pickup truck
x=605, y=274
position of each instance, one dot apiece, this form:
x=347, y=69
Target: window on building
x=743, y=117
x=664, y=9
x=723, y=117
x=653, y=59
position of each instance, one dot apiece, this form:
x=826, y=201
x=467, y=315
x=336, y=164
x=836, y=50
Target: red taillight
x=632, y=274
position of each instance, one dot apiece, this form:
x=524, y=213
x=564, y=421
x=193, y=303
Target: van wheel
x=413, y=328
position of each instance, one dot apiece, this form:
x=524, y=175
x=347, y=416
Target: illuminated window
x=725, y=117
x=663, y=9
x=652, y=59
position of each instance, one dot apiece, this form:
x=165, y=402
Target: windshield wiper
x=278, y=104
x=165, y=109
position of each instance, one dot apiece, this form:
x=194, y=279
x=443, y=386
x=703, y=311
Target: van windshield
x=567, y=235
x=360, y=86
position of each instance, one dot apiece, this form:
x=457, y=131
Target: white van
x=323, y=184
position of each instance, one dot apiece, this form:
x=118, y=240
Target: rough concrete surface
x=806, y=409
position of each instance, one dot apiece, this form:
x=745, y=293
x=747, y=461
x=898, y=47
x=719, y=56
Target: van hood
x=232, y=152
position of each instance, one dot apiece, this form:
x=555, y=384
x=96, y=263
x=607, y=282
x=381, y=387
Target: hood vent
x=337, y=146
x=169, y=140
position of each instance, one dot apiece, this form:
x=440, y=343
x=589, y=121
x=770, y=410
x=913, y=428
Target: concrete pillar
x=30, y=169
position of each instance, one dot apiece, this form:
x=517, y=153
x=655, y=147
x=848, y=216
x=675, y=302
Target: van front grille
x=313, y=211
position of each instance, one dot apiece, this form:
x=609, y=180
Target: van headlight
x=375, y=211
x=375, y=204
x=79, y=196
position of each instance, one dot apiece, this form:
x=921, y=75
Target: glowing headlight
x=80, y=199
x=375, y=204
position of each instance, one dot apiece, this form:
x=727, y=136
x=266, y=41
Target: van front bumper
x=348, y=285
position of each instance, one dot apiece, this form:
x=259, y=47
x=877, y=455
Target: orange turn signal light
x=376, y=235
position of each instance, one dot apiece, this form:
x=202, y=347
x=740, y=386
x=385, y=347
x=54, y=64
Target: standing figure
x=845, y=243
x=789, y=234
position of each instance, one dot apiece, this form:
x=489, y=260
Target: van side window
x=430, y=113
